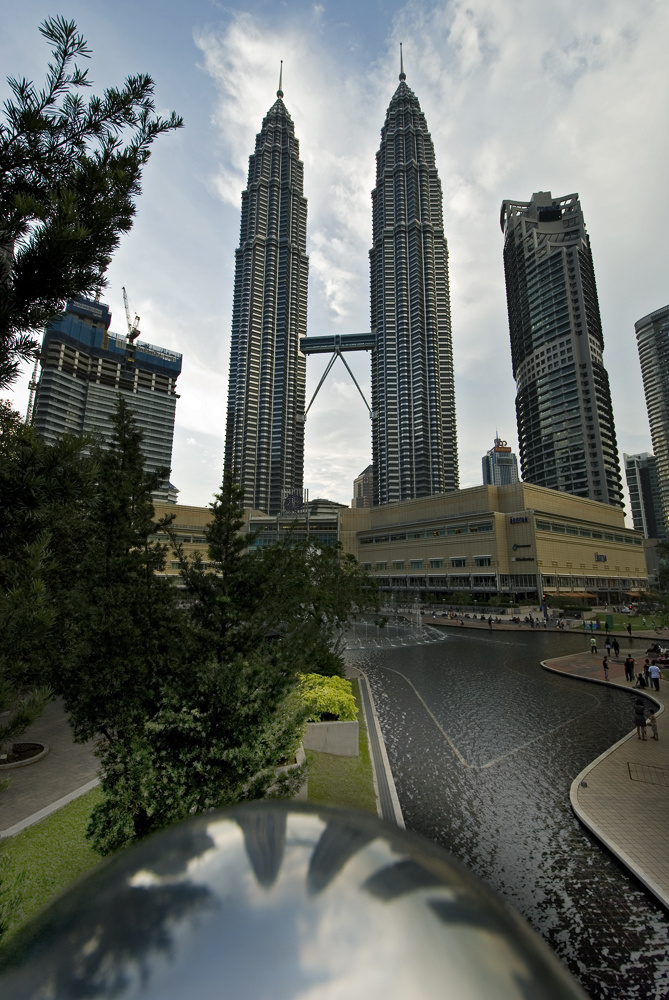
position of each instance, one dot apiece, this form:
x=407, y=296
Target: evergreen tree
x=70, y=173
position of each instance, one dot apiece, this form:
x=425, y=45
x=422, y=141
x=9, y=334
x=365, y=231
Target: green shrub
x=331, y=696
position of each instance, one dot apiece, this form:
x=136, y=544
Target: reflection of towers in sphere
x=413, y=400
x=566, y=432
x=264, y=440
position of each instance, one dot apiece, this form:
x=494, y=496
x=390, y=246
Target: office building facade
x=645, y=497
x=566, y=430
x=264, y=443
x=363, y=488
x=500, y=465
x=413, y=400
x=84, y=367
x=652, y=335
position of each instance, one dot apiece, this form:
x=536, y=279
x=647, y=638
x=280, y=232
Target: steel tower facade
x=413, y=398
x=566, y=431
x=264, y=442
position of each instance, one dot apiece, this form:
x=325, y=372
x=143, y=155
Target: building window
x=398, y=564
x=458, y=563
x=382, y=565
x=416, y=564
x=482, y=561
x=366, y=565
x=436, y=563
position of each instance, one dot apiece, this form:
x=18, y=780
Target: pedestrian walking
x=593, y=645
x=640, y=718
x=652, y=722
x=605, y=664
x=616, y=648
x=629, y=668
x=646, y=671
x=654, y=672
x=629, y=629
x=607, y=644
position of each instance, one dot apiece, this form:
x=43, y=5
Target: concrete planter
x=338, y=738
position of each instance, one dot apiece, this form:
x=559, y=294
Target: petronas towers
x=413, y=403
x=264, y=439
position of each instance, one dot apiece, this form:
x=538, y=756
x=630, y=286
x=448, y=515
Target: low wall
x=338, y=738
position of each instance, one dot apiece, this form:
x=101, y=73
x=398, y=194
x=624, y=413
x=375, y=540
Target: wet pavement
x=484, y=746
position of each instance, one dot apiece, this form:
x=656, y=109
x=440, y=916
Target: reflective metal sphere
x=282, y=901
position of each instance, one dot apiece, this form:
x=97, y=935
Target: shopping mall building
x=517, y=541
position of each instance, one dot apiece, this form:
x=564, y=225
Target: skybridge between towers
x=337, y=344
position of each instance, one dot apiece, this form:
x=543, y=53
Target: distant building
x=652, y=335
x=84, y=367
x=363, y=488
x=500, y=465
x=645, y=495
x=566, y=432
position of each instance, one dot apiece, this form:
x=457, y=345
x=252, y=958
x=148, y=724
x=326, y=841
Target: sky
x=520, y=96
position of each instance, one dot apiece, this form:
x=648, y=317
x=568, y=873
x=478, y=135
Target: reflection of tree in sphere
x=293, y=501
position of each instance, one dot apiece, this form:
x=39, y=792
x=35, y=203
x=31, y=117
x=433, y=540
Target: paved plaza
x=622, y=796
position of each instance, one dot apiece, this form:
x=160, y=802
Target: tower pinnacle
x=279, y=92
x=403, y=75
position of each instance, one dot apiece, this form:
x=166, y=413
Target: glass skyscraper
x=645, y=498
x=499, y=465
x=264, y=441
x=413, y=400
x=566, y=431
x=652, y=335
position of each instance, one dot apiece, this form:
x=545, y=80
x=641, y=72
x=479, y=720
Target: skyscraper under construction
x=264, y=442
x=566, y=432
x=413, y=400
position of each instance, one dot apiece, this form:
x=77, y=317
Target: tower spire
x=279, y=92
x=403, y=75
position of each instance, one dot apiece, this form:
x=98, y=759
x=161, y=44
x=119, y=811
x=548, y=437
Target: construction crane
x=133, y=328
x=32, y=385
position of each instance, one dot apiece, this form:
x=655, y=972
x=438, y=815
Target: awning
x=569, y=593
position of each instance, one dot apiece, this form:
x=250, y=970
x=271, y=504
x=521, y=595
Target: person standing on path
x=646, y=671
x=616, y=648
x=652, y=721
x=629, y=630
x=629, y=667
x=654, y=672
x=593, y=645
x=605, y=664
x=640, y=718
x=607, y=645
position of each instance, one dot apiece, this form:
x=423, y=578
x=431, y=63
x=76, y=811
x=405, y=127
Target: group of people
x=649, y=677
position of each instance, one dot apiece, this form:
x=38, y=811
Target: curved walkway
x=623, y=796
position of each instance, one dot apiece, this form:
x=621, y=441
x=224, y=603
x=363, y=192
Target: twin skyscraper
x=565, y=419
x=413, y=401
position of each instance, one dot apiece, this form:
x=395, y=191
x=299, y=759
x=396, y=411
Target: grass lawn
x=620, y=623
x=344, y=781
x=41, y=861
